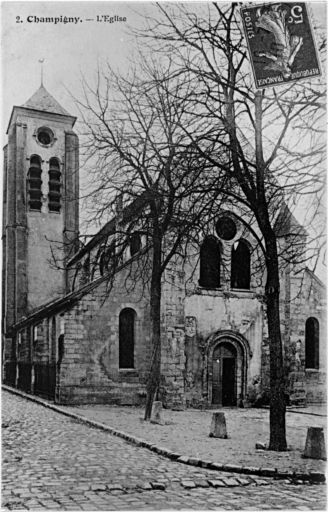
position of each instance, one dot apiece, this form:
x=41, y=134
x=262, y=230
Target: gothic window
x=209, y=274
x=135, y=243
x=312, y=343
x=54, y=185
x=126, y=338
x=34, y=183
x=240, y=266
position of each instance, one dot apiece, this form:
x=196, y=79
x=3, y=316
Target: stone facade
x=65, y=330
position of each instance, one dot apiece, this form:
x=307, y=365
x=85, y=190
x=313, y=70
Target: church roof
x=42, y=100
x=286, y=224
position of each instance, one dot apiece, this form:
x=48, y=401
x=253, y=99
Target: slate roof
x=42, y=100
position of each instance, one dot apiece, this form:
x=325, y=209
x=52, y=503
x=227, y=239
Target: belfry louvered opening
x=54, y=195
x=34, y=183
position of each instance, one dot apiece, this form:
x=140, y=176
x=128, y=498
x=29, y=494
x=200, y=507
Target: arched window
x=126, y=338
x=34, y=182
x=54, y=185
x=312, y=343
x=135, y=243
x=240, y=266
x=209, y=273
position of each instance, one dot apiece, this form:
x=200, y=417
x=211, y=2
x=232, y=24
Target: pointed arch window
x=126, y=338
x=34, y=183
x=209, y=273
x=54, y=195
x=240, y=266
x=312, y=343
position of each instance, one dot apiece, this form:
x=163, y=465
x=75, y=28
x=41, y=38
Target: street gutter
x=312, y=476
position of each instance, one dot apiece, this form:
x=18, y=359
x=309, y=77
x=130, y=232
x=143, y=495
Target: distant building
x=66, y=337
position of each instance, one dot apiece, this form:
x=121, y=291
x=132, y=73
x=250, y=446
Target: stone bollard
x=315, y=444
x=218, y=426
x=156, y=413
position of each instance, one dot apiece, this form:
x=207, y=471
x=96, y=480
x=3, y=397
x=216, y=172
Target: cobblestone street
x=55, y=463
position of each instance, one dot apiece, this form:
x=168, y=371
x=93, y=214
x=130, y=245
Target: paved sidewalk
x=55, y=462
x=187, y=433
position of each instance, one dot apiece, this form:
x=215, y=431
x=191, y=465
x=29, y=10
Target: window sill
x=231, y=292
x=129, y=375
x=210, y=288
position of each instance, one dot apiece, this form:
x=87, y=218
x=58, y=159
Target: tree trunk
x=155, y=317
x=277, y=384
x=272, y=291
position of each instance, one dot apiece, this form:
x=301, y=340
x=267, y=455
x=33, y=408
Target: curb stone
x=315, y=477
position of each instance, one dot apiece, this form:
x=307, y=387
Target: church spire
x=42, y=100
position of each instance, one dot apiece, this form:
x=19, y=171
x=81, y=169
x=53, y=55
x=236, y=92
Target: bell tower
x=40, y=205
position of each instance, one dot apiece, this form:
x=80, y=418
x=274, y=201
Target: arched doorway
x=227, y=358
x=224, y=381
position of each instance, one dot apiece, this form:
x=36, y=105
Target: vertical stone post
x=10, y=221
x=71, y=196
x=315, y=444
x=4, y=235
x=218, y=426
x=21, y=222
x=156, y=414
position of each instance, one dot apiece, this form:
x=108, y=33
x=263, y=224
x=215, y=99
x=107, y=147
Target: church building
x=70, y=337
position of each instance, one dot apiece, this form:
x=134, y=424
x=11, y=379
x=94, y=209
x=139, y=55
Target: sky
x=68, y=49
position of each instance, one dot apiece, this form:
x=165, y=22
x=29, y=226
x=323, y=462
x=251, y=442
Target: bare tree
x=140, y=156
x=272, y=140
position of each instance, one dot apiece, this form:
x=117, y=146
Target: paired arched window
x=312, y=343
x=54, y=185
x=209, y=275
x=34, y=183
x=240, y=266
x=126, y=338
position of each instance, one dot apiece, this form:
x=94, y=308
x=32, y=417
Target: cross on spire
x=41, y=61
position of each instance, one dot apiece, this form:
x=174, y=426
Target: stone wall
x=173, y=338
x=307, y=300
x=301, y=296
x=89, y=370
